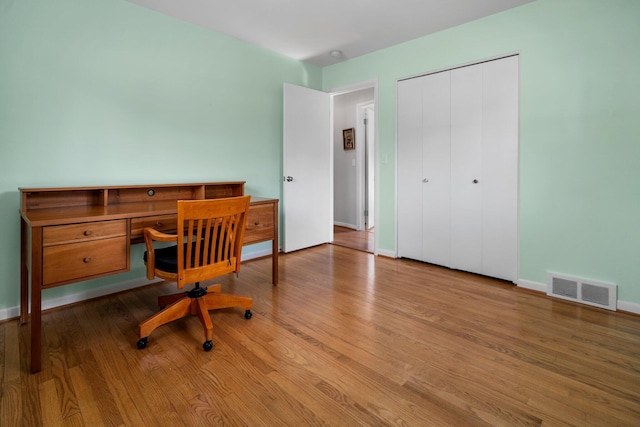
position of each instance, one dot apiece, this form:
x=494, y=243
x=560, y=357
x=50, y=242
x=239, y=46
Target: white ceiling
x=308, y=30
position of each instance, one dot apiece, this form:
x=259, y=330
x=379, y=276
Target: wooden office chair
x=208, y=245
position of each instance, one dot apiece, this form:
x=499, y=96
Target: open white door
x=307, y=200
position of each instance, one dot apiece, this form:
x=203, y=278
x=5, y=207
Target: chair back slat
x=213, y=230
x=207, y=241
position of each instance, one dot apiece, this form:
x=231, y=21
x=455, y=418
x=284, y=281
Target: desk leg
x=274, y=246
x=274, y=260
x=36, y=299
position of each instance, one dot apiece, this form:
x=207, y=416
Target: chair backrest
x=213, y=231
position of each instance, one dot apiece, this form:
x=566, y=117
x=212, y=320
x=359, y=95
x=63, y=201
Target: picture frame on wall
x=349, y=138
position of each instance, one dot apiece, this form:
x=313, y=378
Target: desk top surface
x=73, y=214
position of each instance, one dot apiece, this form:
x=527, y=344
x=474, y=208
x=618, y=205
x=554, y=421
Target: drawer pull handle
x=158, y=224
x=88, y=232
x=87, y=260
x=257, y=223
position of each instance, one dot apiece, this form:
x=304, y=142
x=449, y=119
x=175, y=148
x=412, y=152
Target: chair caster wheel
x=248, y=314
x=207, y=346
x=142, y=342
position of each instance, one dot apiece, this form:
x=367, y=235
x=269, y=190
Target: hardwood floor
x=345, y=339
x=350, y=238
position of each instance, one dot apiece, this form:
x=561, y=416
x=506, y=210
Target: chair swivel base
x=195, y=302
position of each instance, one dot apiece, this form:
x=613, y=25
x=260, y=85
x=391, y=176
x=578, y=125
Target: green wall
x=97, y=92
x=579, y=129
x=100, y=92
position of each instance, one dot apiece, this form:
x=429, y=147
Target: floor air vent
x=598, y=294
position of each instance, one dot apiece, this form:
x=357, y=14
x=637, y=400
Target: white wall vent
x=591, y=292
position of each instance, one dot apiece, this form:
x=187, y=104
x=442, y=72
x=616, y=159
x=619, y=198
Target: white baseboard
x=534, y=286
x=256, y=254
x=630, y=307
x=9, y=313
x=49, y=303
x=387, y=253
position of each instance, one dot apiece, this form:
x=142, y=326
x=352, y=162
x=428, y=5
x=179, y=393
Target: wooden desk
x=69, y=235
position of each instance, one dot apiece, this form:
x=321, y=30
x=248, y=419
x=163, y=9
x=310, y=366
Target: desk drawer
x=63, y=234
x=84, y=260
x=164, y=223
x=260, y=224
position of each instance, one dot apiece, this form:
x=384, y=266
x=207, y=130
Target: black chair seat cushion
x=167, y=258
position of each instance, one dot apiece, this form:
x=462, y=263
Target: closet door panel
x=409, y=137
x=436, y=161
x=466, y=164
x=500, y=168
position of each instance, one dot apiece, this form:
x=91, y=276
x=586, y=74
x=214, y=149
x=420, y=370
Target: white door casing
x=370, y=160
x=365, y=165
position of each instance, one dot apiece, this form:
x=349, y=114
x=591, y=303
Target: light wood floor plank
x=11, y=403
x=10, y=345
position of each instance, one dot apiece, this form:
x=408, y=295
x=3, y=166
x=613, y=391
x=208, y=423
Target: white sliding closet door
x=424, y=169
x=500, y=168
x=410, y=169
x=466, y=168
x=436, y=176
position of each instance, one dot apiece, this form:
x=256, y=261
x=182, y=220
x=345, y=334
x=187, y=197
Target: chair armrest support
x=154, y=235
x=151, y=235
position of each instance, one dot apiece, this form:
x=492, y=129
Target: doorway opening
x=354, y=169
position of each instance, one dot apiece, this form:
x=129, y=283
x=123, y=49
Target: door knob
x=425, y=180
x=475, y=181
x=289, y=178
